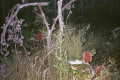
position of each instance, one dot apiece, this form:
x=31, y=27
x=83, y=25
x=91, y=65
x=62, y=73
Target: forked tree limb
x=51, y=28
x=47, y=26
x=68, y=4
x=63, y=8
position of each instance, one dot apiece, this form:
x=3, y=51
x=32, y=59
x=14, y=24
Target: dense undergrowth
x=37, y=64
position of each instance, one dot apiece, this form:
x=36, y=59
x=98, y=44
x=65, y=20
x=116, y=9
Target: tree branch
x=44, y=18
x=17, y=8
x=65, y=7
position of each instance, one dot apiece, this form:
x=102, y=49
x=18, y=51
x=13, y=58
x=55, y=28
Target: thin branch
x=68, y=4
x=44, y=18
x=47, y=26
x=33, y=4
x=54, y=23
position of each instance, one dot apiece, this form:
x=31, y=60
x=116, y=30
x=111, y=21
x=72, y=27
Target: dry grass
x=33, y=67
x=53, y=67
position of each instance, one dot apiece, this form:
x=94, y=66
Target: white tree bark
x=61, y=24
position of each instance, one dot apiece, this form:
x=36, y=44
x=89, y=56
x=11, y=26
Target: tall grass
x=55, y=66
x=71, y=49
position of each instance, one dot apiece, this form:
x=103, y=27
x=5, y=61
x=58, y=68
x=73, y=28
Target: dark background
x=85, y=10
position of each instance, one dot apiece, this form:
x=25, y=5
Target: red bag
x=40, y=36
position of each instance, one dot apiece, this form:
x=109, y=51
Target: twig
x=68, y=4
x=44, y=18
